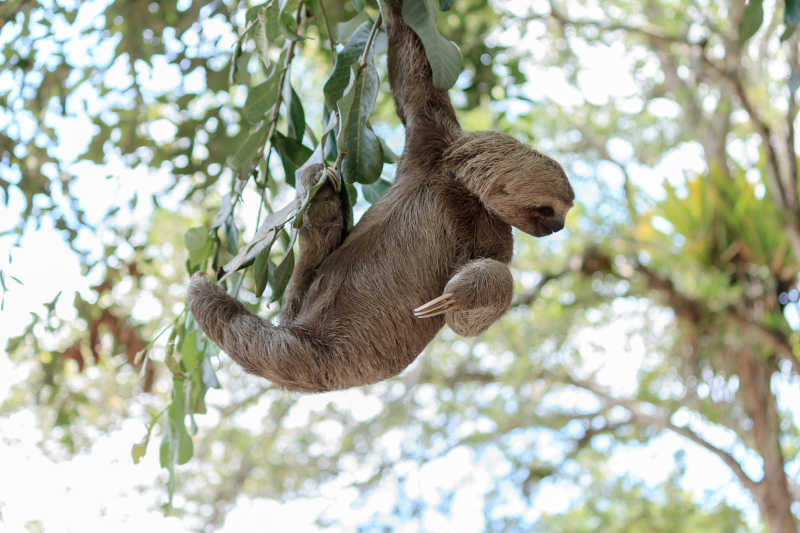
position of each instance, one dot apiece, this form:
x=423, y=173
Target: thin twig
x=365, y=55
x=331, y=42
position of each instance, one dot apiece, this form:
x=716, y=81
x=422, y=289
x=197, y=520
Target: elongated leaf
x=263, y=238
x=374, y=191
x=190, y=354
x=243, y=158
x=443, y=55
x=266, y=32
x=292, y=154
x=363, y=159
x=281, y=274
x=340, y=76
x=791, y=12
x=297, y=115
x=261, y=271
x=752, y=17
x=288, y=24
x=260, y=99
x=198, y=244
x=197, y=397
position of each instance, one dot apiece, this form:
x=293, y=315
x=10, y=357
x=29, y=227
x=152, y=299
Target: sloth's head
x=523, y=187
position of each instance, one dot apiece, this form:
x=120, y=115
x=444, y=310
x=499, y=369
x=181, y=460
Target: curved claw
x=437, y=306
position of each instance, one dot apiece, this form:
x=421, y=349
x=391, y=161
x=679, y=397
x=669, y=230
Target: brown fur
x=442, y=230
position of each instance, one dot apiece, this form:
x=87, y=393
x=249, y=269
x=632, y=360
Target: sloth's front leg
x=321, y=233
x=474, y=297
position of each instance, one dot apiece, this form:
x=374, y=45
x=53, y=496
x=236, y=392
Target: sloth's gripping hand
x=474, y=297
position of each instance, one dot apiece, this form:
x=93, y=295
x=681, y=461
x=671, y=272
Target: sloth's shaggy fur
x=355, y=310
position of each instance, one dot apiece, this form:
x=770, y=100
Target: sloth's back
x=399, y=255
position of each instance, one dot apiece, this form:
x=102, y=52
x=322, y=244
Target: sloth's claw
x=437, y=306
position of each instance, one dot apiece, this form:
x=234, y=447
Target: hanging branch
x=292, y=45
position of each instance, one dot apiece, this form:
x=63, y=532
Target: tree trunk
x=772, y=495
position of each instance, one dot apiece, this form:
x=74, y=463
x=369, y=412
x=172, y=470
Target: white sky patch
x=93, y=491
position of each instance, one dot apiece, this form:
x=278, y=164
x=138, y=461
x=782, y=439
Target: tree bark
x=772, y=493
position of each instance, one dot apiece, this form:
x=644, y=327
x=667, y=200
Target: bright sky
x=102, y=490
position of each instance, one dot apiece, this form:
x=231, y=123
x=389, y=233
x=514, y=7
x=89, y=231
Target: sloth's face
x=523, y=187
x=535, y=197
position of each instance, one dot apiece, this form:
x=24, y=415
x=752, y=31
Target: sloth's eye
x=543, y=211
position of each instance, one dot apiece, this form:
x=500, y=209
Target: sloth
x=361, y=305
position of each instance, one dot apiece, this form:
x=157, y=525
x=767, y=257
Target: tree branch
x=651, y=34
x=662, y=420
x=527, y=298
x=693, y=310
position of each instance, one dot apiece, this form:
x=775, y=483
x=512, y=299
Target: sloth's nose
x=554, y=223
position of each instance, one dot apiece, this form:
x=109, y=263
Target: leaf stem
x=327, y=27
x=362, y=63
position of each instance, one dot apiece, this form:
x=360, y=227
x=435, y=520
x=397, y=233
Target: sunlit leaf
x=752, y=18
x=340, y=75
x=443, y=55
x=243, y=159
x=198, y=243
x=260, y=99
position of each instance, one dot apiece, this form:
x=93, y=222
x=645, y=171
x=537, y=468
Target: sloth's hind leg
x=321, y=233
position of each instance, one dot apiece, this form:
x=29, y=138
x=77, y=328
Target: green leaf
x=340, y=76
x=198, y=243
x=261, y=271
x=260, y=99
x=197, y=397
x=190, y=354
x=388, y=155
x=358, y=5
x=281, y=274
x=363, y=159
x=288, y=24
x=292, y=154
x=791, y=13
x=243, y=158
x=752, y=17
x=297, y=116
x=267, y=29
x=264, y=238
x=182, y=447
x=444, y=5
x=443, y=55
x=165, y=451
x=374, y=191
x=209, y=376
x=231, y=235
x=137, y=452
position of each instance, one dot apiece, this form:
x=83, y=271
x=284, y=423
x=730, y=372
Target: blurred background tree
x=157, y=138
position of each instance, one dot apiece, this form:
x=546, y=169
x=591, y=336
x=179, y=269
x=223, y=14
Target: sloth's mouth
x=540, y=232
x=542, y=227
